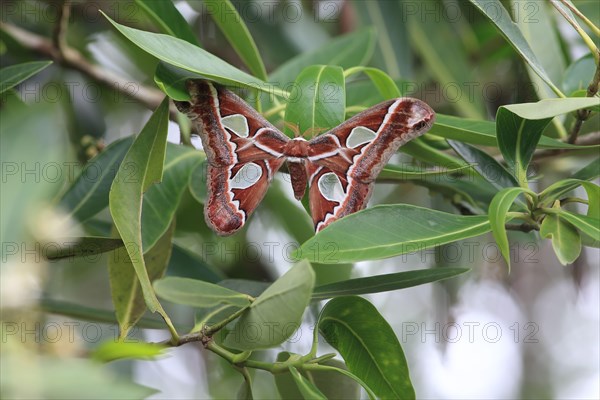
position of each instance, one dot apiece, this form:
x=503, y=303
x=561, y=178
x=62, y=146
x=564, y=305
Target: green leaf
x=483, y=133
x=382, y=81
x=88, y=195
x=587, y=225
x=517, y=140
x=497, y=14
x=345, y=51
x=558, y=189
x=168, y=19
x=565, y=238
x=145, y=157
x=227, y=18
x=200, y=294
x=387, y=231
x=171, y=80
x=385, y=283
x=393, y=52
x=12, y=75
x=305, y=387
x=112, y=350
x=589, y=172
x=333, y=384
x=84, y=313
x=161, y=201
x=182, y=54
x=499, y=207
x=579, y=74
x=485, y=165
x=406, y=172
x=549, y=108
x=447, y=59
x=125, y=286
x=420, y=150
x=317, y=102
x=276, y=313
x=79, y=247
x=348, y=324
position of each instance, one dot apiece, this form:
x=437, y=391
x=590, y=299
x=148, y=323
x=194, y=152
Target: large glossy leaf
x=485, y=165
x=499, y=207
x=497, y=14
x=12, y=75
x=349, y=325
x=227, y=18
x=517, y=140
x=276, y=313
x=88, y=195
x=446, y=59
x=146, y=157
x=168, y=19
x=197, y=293
x=79, y=247
x=589, y=172
x=565, y=238
x=126, y=292
x=393, y=51
x=345, y=51
x=383, y=82
x=182, y=54
x=387, y=231
x=161, y=201
x=317, y=103
x=385, y=283
x=422, y=151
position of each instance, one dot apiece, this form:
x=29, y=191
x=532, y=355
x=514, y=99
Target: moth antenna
x=293, y=127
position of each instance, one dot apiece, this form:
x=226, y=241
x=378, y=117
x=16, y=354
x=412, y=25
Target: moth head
x=421, y=116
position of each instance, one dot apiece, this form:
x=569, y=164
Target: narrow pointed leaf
x=12, y=75
x=141, y=167
x=119, y=350
x=168, y=19
x=79, y=247
x=588, y=225
x=385, y=283
x=305, y=387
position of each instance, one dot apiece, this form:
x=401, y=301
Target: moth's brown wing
x=243, y=151
x=344, y=163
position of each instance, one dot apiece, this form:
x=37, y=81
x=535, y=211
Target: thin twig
x=73, y=59
x=59, y=35
x=583, y=115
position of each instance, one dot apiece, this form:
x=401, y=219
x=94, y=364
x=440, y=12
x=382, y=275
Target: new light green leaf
x=317, y=102
x=141, y=167
x=276, y=313
x=497, y=14
x=182, y=54
x=227, y=18
x=588, y=225
x=382, y=81
x=365, y=340
x=498, y=210
x=566, y=241
x=549, y=108
x=389, y=230
x=384, y=283
x=12, y=75
x=119, y=350
x=200, y=294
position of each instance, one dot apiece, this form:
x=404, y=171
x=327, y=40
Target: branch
x=60, y=53
x=583, y=115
